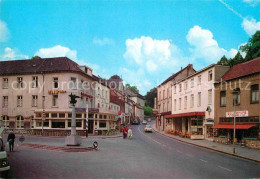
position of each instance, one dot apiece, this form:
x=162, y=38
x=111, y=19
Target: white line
x=148, y=136
x=225, y=168
x=203, y=160
x=189, y=155
x=179, y=151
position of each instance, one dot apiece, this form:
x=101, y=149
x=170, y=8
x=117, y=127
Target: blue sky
x=142, y=41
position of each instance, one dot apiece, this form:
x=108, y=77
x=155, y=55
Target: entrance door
x=90, y=126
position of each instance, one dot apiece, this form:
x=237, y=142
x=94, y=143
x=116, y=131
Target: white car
x=149, y=120
x=148, y=128
x=144, y=122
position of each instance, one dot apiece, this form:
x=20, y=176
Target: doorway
x=90, y=126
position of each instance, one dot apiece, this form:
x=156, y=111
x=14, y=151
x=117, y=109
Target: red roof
x=189, y=114
x=231, y=126
x=243, y=69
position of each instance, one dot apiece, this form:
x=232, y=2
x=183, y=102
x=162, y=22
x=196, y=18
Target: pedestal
x=73, y=140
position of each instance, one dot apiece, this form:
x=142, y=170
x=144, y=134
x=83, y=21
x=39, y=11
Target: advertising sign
x=238, y=114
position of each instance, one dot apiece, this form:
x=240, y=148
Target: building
x=193, y=103
x=35, y=96
x=245, y=78
x=164, y=95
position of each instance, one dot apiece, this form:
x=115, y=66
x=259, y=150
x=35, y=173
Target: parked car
x=144, y=122
x=148, y=128
x=4, y=163
x=135, y=122
x=149, y=120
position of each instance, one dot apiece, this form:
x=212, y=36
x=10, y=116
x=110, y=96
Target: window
x=192, y=82
x=210, y=75
x=179, y=87
x=102, y=124
x=255, y=93
x=19, y=101
x=179, y=103
x=185, y=102
x=192, y=100
x=186, y=85
x=160, y=95
x=19, y=82
x=55, y=82
x=19, y=122
x=61, y=115
x=34, y=100
x=223, y=98
x=5, y=101
x=175, y=104
x=199, y=80
x=5, y=83
x=55, y=100
x=236, y=98
x=73, y=84
x=210, y=96
x=5, y=120
x=35, y=82
x=199, y=98
x=174, y=89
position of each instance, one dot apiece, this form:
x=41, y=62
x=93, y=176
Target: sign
x=238, y=114
x=86, y=95
x=80, y=110
x=56, y=91
x=83, y=110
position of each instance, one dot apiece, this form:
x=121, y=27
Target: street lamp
x=235, y=93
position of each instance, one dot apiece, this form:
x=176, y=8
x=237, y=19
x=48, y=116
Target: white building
x=193, y=103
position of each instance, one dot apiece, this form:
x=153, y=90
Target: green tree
x=223, y=61
x=148, y=111
x=132, y=88
x=36, y=57
x=236, y=60
x=252, y=48
x=149, y=97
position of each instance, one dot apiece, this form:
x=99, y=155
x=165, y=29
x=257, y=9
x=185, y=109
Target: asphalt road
x=147, y=155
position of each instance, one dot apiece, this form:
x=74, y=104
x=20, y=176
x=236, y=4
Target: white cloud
x=250, y=26
x=12, y=54
x=148, y=52
x=205, y=46
x=104, y=41
x=4, y=32
x=57, y=51
x=252, y=2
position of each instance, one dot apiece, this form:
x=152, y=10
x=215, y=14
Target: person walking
x=130, y=133
x=10, y=140
x=125, y=132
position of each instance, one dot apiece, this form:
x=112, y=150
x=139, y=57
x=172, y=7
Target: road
x=147, y=155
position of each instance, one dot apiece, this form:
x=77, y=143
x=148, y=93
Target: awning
x=189, y=114
x=231, y=126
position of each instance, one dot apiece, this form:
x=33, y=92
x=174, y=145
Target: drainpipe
x=43, y=101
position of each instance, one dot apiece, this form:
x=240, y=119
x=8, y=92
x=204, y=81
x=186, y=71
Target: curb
x=221, y=151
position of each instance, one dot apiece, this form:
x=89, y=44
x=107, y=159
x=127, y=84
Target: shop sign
x=86, y=95
x=238, y=114
x=93, y=110
x=56, y=91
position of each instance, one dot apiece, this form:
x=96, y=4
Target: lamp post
x=235, y=93
x=86, y=116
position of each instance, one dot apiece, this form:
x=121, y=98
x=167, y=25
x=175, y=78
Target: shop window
x=46, y=123
x=91, y=116
x=54, y=115
x=255, y=93
x=69, y=115
x=102, y=124
x=58, y=125
x=62, y=115
x=78, y=115
x=78, y=124
x=223, y=98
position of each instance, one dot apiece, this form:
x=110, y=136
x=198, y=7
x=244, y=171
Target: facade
x=193, y=103
x=36, y=96
x=164, y=95
x=245, y=78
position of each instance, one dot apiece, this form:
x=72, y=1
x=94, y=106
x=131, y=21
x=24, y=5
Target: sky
x=144, y=42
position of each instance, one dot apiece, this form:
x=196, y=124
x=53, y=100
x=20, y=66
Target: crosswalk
x=58, y=148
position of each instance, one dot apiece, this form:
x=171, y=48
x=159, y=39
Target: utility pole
x=235, y=93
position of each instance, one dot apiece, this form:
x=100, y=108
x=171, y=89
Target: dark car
x=135, y=122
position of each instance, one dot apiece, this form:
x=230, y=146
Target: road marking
x=149, y=137
x=203, y=160
x=225, y=168
x=179, y=151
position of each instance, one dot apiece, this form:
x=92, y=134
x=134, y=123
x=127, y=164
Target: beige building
x=35, y=95
x=164, y=95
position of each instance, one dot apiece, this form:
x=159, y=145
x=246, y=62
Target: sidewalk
x=246, y=153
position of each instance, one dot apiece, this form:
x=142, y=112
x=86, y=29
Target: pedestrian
x=125, y=132
x=10, y=140
x=130, y=133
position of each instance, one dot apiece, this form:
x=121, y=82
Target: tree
x=236, y=60
x=149, y=97
x=132, y=88
x=223, y=61
x=148, y=111
x=252, y=48
x=36, y=57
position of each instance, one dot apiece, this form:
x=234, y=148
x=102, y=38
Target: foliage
x=149, y=97
x=132, y=88
x=223, y=61
x=148, y=111
x=36, y=57
x=252, y=48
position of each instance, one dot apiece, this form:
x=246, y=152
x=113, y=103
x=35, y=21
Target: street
x=147, y=155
